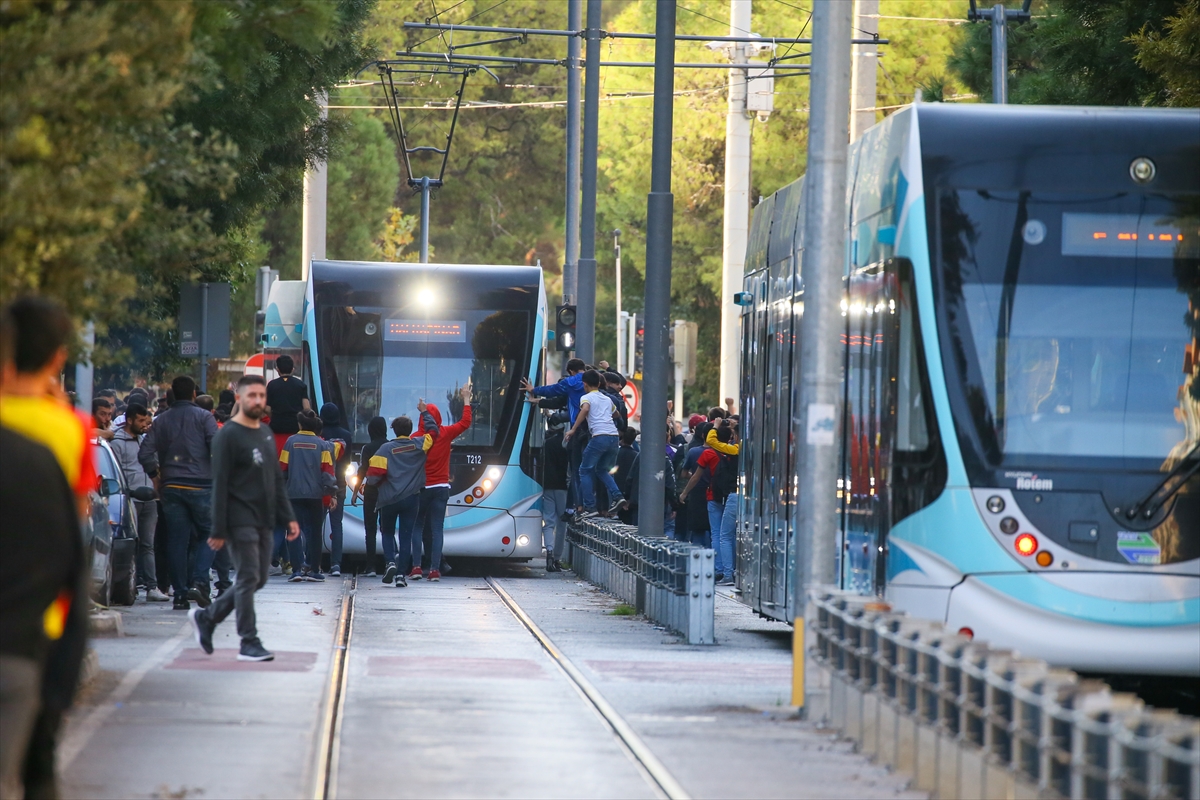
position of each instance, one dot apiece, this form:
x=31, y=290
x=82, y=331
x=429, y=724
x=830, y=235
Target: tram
x=1021, y=382
x=375, y=338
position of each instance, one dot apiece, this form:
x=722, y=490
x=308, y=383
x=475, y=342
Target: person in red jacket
x=431, y=518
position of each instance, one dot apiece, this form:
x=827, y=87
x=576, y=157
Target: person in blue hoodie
x=339, y=440
x=570, y=387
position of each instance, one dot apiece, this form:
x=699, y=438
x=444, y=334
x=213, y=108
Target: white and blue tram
x=1019, y=444
x=374, y=338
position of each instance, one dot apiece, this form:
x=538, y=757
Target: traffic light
x=564, y=328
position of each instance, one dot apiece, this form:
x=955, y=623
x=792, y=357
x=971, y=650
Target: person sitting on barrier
x=598, y=410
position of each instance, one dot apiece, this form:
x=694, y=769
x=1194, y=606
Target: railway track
x=329, y=732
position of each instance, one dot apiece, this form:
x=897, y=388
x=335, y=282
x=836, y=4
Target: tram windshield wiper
x=1149, y=505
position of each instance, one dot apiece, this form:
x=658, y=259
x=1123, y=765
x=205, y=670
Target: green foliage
x=1173, y=56
x=139, y=140
x=1091, y=52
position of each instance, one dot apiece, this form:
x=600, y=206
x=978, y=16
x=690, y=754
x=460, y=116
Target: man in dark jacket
x=249, y=499
x=377, y=430
x=333, y=432
x=125, y=445
x=177, y=451
x=554, y=492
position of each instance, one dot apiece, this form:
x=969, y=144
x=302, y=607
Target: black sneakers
x=254, y=651
x=199, y=594
x=401, y=581
x=180, y=604
x=204, y=629
x=619, y=504
x=552, y=564
x=389, y=574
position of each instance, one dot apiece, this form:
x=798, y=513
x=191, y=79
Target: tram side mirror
x=743, y=298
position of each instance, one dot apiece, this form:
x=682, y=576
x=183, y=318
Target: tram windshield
x=1074, y=322
x=382, y=362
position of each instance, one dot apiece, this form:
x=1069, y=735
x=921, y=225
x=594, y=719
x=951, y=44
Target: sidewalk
x=717, y=716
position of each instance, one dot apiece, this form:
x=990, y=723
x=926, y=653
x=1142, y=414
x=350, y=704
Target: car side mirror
x=109, y=487
x=143, y=494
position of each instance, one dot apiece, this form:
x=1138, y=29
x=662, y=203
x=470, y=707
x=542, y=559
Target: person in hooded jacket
x=377, y=429
x=431, y=518
x=339, y=440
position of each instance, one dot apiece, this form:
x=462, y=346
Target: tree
x=1091, y=52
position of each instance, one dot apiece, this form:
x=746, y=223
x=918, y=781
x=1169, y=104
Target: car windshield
x=1073, y=322
x=377, y=362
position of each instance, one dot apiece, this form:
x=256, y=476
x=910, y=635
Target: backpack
x=724, y=478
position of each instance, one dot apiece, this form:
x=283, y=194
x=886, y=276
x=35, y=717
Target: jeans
x=431, y=521
x=147, y=570
x=554, y=527
x=251, y=555
x=669, y=524
x=716, y=511
x=189, y=523
x=336, y=515
x=574, y=457
x=370, y=522
x=728, y=533
x=311, y=516
x=402, y=513
x=20, y=699
x=293, y=551
x=598, y=458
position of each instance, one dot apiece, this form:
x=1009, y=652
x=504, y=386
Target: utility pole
x=660, y=206
x=316, y=185
x=616, y=234
x=864, y=70
x=999, y=17
x=737, y=203
x=571, y=257
x=823, y=267
x=84, y=371
x=585, y=330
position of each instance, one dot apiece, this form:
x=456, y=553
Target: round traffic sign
x=632, y=397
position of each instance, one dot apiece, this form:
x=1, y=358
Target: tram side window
x=912, y=432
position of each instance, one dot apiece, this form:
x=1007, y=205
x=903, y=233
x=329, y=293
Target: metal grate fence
x=967, y=721
x=668, y=581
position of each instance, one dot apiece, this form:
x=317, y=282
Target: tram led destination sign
x=425, y=330
x=1122, y=236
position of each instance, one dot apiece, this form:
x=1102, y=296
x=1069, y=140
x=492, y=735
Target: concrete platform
x=448, y=695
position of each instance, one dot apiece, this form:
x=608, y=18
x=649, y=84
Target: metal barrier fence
x=668, y=581
x=969, y=721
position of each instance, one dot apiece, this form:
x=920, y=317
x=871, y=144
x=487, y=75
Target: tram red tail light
x=1026, y=544
x=967, y=632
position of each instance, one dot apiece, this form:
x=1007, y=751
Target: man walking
x=431, y=519
x=178, y=451
x=598, y=410
x=248, y=500
x=125, y=444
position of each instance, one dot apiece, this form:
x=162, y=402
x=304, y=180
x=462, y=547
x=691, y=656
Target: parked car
x=110, y=531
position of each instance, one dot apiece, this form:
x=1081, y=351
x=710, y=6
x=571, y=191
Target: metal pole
x=204, y=338
x=864, y=73
x=84, y=370
x=679, y=367
x=316, y=185
x=571, y=257
x=999, y=54
x=823, y=267
x=737, y=206
x=424, y=220
x=660, y=205
x=617, y=270
x=585, y=321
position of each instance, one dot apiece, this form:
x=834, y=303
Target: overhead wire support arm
x=432, y=57
x=679, y=37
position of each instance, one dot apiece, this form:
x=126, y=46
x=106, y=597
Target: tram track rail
x=329, y=732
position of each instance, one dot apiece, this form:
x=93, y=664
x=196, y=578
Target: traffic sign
x=633, y=398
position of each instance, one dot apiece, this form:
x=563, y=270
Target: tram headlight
x=487, y=484
x=522, y=540
x=494, y=473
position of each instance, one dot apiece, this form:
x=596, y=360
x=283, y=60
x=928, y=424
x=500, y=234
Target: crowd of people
x=592, y=461
x=241, y=486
